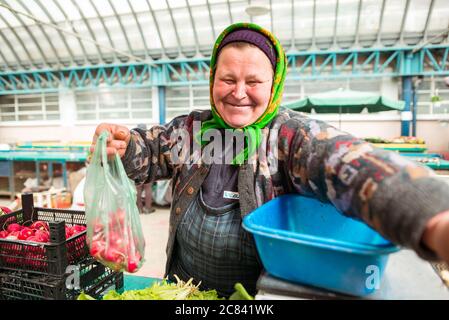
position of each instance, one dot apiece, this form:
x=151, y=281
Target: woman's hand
x=117, y=140
x=436, y=235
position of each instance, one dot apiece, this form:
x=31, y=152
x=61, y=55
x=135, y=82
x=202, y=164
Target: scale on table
x=406, y=277
x=272, y=288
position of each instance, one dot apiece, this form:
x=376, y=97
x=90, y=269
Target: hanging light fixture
x=257, y=8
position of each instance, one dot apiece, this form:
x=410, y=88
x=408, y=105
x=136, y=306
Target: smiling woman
x=242, y=86
x=206, y=239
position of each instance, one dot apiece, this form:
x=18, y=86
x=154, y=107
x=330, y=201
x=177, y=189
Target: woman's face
x=242, y=85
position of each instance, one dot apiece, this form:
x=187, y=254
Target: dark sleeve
x=153, y=154
x=392, y=194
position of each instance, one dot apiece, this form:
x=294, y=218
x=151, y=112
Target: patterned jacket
x=393, y=195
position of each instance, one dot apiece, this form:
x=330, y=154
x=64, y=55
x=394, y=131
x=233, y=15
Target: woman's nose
x=239, y=90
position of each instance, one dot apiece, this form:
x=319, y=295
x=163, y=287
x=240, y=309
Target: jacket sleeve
x=154, y=154
x=392, y=194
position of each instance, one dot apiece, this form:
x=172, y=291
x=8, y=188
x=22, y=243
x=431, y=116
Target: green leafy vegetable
x=240, y=293
x=162, y=290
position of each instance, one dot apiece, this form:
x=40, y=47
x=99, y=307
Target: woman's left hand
x=436, y=235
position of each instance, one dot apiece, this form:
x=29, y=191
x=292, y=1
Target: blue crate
x=306, y=241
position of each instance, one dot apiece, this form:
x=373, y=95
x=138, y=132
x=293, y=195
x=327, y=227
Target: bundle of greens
x=165, y=290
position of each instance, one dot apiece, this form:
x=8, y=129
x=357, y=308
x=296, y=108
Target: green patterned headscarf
x=252, y=131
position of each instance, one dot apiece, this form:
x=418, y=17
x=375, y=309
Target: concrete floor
x=155, y=229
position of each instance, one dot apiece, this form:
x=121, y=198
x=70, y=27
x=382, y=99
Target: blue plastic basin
x=303, y=240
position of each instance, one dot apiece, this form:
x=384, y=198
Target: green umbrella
x=345, y=101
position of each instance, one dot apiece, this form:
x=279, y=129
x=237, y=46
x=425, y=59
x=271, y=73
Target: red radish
x=68, y=232
x=25, y=233
x=113, y=242
x=6, y=210
x=97, y=248
x=13, y=235
x=14, y=227
x=114, y=256
x=3, y=234
x=40, y=225
x=133, y=262
x=42, y=235
x=132, y=266
x=33, y=239
x=77, y=229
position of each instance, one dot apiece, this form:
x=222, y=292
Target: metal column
x=414, y=110
x=162, y=104
x=407, y=96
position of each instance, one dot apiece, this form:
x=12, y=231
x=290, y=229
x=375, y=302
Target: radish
x=25, y=233
x=42, y=235
x=97, y=248
x=33, y=239
x=40, y=225
x=68, y=232
x=77, y=229
x=113, y=242
x=114, y=256
x=13, y=235
x=14, y=227
x=3, y=234
x=132, y=266
x=5, y=210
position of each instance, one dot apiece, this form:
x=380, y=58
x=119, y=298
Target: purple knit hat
x=253, y=37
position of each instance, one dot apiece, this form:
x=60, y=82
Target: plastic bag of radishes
x=114, y=231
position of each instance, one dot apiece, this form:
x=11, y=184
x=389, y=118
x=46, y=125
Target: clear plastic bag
x=114, y=231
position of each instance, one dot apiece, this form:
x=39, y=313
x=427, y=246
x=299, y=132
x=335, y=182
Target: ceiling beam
x=404, y=19
x=73, y=30
x=41, y=52
x=429, y=16
x=16, y=56
x=50, y=42
x=335, y=44
x=100, y=53
x=229, y=11
x=176, y=29
x=357, y=28
x=153, y=15
x=117, y=16
x=140, y=28
x=381, y=21
x=195, y=34
x=92, y=2
x=69, y=50
x=211, y=20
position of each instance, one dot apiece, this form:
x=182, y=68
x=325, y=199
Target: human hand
x=436, y=235
x=117, y=140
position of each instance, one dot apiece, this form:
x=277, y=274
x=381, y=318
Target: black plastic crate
x=43, y=258
x=94, y=279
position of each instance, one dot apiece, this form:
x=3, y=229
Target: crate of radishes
x=91, y=277
x=42, y=240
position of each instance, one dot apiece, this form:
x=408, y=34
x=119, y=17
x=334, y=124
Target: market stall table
x=406, y=277
x=9, y=157
x=402, y=147
x=432, y=160
x=133, y=282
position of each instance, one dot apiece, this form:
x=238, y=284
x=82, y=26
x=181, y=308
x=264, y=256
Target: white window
x=29, y=107
x=181, y=100
x=432, y=96
x=114, y=104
